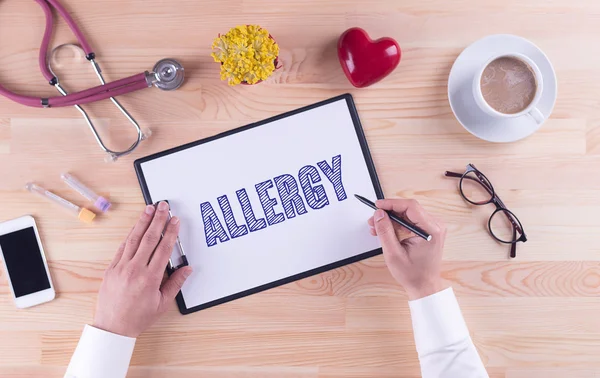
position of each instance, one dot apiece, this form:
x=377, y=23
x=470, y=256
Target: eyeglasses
x=504, y=226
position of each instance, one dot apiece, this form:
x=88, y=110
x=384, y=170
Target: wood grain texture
x=536, y=316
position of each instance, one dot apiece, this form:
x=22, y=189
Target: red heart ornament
x=365, y=61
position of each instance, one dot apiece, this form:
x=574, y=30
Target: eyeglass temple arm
x=453, y=174
x=513, y=247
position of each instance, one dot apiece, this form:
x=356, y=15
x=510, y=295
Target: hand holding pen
x=402, y=222
x=413, y=261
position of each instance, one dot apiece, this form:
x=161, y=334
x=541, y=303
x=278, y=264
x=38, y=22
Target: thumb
x=385, y=232
x=173, y=285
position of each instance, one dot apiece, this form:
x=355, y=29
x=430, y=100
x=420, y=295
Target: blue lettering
x=268, y=203
x=253, y=223
x=315, y=196
x=334, y=174
x=290, y=198
x=213, y=229
x=234, y=230
x=292, y=202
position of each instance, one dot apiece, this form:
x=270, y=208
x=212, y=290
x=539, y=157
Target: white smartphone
x=25, y=262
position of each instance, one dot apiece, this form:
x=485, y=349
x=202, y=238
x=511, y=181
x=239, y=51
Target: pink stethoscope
x=167, y=74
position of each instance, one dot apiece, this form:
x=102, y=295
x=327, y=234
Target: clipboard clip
x=184, y=261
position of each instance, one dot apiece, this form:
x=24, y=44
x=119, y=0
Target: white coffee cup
x=531, y=109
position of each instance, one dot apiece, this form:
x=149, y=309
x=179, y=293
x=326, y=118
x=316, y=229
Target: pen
x=411, y=227
x=100, y=202
x=82, y=213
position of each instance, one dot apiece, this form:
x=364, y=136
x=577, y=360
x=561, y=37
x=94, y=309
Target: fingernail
x=379, y=215
x=187, y=273
x=163, y=206
x=174, y=220
x=149, y=210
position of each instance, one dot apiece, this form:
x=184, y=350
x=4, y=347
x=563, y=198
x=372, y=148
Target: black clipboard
x=369, y=163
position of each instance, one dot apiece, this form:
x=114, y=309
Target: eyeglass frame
x=495, y=199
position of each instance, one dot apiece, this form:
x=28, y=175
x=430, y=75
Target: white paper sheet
x=240, y=161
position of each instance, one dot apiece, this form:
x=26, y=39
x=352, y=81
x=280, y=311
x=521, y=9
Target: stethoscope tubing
x=102, y=96
x=101, y=92
x=84, y=97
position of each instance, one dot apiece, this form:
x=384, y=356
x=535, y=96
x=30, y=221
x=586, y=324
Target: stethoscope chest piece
x=167, y=74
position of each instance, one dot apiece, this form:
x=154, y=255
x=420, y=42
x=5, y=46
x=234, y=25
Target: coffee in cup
x=508, y=85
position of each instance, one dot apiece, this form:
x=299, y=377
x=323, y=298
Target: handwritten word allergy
x=296, y=196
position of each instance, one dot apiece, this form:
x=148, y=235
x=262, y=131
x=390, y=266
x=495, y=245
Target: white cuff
x=101, y=354
x=437, y=321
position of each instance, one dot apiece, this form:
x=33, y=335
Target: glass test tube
x=82, y=213
x=100, y=202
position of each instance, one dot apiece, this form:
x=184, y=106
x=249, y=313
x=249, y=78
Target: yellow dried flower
x=247, y=53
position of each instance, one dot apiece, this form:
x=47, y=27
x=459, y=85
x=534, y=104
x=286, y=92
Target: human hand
x=414, y=262
x=131, y=297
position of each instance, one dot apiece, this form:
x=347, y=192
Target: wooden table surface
x=535, y=316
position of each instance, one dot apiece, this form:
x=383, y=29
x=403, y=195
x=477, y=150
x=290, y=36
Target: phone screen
x=24, y=262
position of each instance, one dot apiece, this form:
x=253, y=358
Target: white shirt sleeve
x=101, y=354
x=443, y=342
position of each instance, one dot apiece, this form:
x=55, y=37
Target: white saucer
x=460, y=92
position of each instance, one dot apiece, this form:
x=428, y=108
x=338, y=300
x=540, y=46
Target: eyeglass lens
x=475, y=189
x=502, y=226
